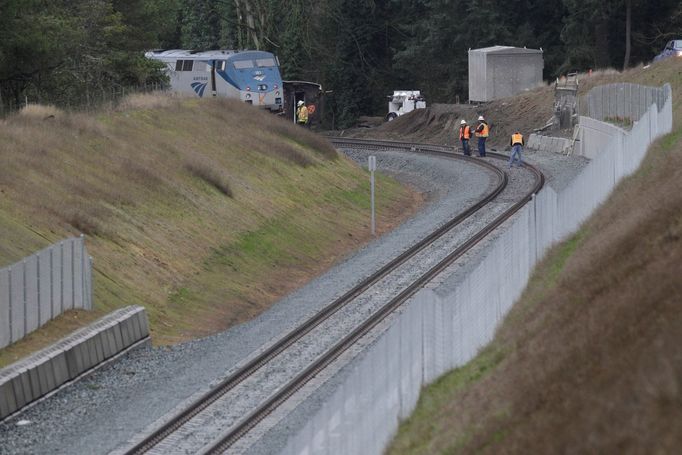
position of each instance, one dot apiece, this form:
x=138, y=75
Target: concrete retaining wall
x=445, y=324
x=622, y=101
x=33, y=377
x=549, y=143
x=42, y=286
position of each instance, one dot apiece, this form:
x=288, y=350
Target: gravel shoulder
x=111, y=406
x=272, y=434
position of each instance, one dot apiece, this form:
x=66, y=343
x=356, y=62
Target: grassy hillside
x=205, y=211
x=589, y=359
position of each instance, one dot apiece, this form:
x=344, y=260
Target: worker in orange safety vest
x=517, y=144
x=464, y=136
x=482, y=132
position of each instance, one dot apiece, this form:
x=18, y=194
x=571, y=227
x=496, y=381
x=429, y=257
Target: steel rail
x=228, y=438
x=197, y=406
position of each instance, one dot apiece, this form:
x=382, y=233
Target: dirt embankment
x=439, y=123
x=185, y=211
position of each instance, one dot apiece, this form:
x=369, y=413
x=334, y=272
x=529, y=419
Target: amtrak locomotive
x=251, y=76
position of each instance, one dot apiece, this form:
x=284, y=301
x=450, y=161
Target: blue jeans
x=515, y=154
x=481, y=146
x=465, y=147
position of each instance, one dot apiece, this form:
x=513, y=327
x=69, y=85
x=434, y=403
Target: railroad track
x=155, y=441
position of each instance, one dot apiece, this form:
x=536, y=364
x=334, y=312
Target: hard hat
x=463, y=122
x=480, y=117
x=300, y=103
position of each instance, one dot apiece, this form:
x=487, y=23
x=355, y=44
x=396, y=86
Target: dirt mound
x=439, y=123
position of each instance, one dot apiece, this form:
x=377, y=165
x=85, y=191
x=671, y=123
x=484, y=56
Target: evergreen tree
x=201, y=25
x=36, y=38
x=353, y=53
x=294, y=52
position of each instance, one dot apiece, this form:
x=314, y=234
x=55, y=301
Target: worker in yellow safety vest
x=302, y=114
x=482, y=132
x=517, y=144
x=464, y=136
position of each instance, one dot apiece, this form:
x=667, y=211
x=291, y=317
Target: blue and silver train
x=251, y=76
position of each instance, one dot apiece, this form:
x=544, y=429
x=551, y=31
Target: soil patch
x=439, y=123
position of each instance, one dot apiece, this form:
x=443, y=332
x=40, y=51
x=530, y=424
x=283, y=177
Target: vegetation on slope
x=588, y=361
x=205, y=212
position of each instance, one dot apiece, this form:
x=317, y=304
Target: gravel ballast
x=271, y=435
x=116, y=402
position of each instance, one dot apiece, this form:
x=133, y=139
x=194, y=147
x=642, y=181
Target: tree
x=36, y=38
x=351, y=50
x=294, y=52
x=201, y=25
x=628, y=33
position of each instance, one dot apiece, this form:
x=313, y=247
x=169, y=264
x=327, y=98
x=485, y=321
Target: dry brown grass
x=589, y=360
x=152, y=100
x=148, y=183
x=39, y=111
x=210, y=175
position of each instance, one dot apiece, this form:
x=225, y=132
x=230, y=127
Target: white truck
x=404, y=101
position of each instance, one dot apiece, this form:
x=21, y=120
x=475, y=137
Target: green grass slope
x=205, y=212
x=589, y=359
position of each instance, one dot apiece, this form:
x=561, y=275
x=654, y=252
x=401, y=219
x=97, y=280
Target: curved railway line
x=154, y=442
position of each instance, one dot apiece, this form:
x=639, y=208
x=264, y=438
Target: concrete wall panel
x=56, y=279
x=477, y=76
x=78, y=246
x=32, y=294
x=68, y=275
x=18, y=313
x=5, y=319
x=44, y=287
x=67, y=359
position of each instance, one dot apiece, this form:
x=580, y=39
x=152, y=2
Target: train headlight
x=277, y=93
x=248, y=89
x=248, y=96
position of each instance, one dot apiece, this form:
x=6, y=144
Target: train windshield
x=265, y=62
x=243, y=64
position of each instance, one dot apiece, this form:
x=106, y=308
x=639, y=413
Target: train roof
x=224, y=54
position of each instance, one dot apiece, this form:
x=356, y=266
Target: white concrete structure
x=42, y=286
x=503, y=71
x=48, y=369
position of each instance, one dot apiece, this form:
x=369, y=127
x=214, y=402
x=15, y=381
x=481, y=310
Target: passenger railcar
x=251, y=76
